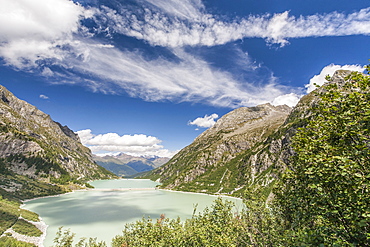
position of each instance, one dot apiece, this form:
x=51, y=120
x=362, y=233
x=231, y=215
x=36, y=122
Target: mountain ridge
x=37, y=151
x=208, y=161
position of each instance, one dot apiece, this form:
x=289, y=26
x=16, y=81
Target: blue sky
x=146, y=77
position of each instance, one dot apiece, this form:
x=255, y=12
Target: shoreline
x=200, y=193
x=38, y=241
x=41, y=239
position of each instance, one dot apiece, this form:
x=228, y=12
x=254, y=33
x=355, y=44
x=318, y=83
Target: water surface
x=103, y=214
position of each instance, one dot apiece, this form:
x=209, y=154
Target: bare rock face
x=33, y=145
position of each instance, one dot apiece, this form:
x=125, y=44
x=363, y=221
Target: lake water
x=103, y=213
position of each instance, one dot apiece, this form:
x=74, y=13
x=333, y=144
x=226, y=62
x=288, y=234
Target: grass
x=9, y=241
x=9, y=217
x=8, y=214
x=26, y=228
x=28, y=215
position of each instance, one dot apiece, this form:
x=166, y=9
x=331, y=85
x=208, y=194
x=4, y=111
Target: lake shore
x=122, y=188
x=38, y=241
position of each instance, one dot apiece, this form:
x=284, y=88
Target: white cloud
x=85, y=135
x=45, y=34
x=209, y=30
x=192, y=79
x=136, y=145
x=56, y=39
x=290, y=99
x=186, y=9
x=329, y=70
x=33, y=30
x=204, y=122
x=43, y=96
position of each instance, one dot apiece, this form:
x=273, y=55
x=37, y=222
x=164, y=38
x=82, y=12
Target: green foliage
x=263, y=224
x=26, y=188
x=25, y=228
x=64, y=238
x=28, y=215
x=42, y=164
x=8, y=214
x=325, y=196
x=216, y=226
x=11, y=242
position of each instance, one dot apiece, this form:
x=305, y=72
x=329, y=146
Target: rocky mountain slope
x=37, y=153
x=245, y=150
x=127, y=166
x=211, y=163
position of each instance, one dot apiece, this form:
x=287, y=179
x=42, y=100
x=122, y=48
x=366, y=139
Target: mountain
x=128, y=166
x=211, y=163
x=39, y=156
x=245, y=150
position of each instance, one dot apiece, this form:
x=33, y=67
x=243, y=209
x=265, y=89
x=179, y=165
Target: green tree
x=65, y=238
x=324, y=196
x=215, y=226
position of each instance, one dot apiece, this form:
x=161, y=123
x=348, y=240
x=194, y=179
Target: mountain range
x=125, y=165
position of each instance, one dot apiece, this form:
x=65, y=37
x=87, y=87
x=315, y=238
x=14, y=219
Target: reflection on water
x=103, y=214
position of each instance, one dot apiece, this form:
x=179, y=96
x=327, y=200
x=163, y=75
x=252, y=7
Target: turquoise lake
x=103, y=212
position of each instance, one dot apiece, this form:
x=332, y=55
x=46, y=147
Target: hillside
x=245, y=150
x=212, y=164
x=37, y=155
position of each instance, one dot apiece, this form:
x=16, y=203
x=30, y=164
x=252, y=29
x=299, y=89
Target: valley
x=260, y=154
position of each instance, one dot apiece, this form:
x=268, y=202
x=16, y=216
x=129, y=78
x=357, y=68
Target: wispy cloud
x=184, y=9
x=204, y=122
x=160, y=29
x=192, y=79
x=137, y=145
x=50, y=37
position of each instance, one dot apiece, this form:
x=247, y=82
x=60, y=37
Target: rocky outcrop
x=33, y=145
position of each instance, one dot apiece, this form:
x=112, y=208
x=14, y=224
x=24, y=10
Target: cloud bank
x=204, y=122
x=136, y=145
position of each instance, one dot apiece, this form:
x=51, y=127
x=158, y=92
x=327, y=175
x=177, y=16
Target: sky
x=146, y=77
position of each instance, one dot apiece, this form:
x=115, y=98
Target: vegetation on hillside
x=10, y=214
x=322, y=199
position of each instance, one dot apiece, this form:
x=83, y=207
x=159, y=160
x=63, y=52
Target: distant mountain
x=37, y=155
x=244, y=151
x=128, y=166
